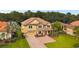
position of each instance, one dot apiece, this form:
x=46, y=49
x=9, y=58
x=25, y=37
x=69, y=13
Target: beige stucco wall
x=69, y=31
x=32, y=33
x=6, y=35
x=26, y=29
x=34, y=29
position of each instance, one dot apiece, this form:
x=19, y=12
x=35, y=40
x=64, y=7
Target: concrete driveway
x=45, y=39
x=38, y=42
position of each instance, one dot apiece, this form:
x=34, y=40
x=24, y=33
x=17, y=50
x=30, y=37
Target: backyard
x=64, y=41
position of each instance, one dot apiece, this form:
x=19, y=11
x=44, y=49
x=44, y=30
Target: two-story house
x=36, y=27
x=4, y=34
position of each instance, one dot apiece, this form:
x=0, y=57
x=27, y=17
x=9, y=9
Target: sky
x=63, y=6
x=71, y=11
x=62, y=11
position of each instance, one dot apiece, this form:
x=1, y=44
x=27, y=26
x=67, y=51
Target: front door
x=40, y=32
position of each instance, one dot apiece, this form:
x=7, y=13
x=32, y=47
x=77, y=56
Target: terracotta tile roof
x=75, y=23
x=3, y=26
x=40, y=20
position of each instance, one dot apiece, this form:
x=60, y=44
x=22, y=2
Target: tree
x=49, y=16
x=68, y=18
x=29, y=14
x=16, y=16
x=57, y=28
x=38, y=14
x=69, y=14
x=14, y=28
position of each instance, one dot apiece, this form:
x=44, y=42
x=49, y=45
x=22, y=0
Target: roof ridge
x=28, y=21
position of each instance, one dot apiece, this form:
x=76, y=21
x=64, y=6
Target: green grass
x=63, y=41
x=20, y=43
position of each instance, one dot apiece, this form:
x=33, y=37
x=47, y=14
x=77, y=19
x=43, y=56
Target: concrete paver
x=38, y=42
x=34, y=43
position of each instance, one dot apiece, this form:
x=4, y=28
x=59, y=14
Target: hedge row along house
x=36, y=27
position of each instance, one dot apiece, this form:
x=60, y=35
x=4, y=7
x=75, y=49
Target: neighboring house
x=69, y=27
x=4, y=34
x=36, y=26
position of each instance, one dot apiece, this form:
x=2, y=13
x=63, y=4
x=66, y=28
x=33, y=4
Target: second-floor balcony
x=43, y=27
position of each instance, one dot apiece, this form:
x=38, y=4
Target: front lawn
x=20, y=43
x=63, y=41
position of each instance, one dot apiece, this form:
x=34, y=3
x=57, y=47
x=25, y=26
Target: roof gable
x=3, y=26
x=35, y=20
x=75, y=23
